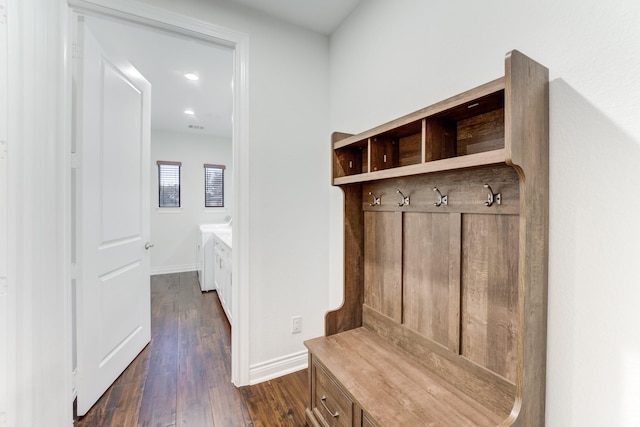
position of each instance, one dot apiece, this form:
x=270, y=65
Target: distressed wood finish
x=402, y=394
x=382, y=260
x=481, y=133
x=527, y=141
x=349, y=315
x=441, y=138
x=465, y=190
x=444, y=314
x=431, y=276
x=489, y=293
x=454, y=102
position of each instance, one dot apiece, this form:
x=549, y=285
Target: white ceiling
x=163, y=58
x=322, y=16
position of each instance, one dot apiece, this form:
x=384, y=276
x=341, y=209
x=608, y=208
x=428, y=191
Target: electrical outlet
x=296, y=324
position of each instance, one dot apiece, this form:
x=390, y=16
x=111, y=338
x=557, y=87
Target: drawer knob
x=323, y=400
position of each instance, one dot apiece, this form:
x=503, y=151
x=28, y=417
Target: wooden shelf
x=468, y=161
x=443, y=320
x=464, y=98
x=467, y=126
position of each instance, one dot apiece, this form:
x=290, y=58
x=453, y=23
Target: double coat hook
x=405, y=199
x=442, y=199
x=376, y=199
x=492, y=197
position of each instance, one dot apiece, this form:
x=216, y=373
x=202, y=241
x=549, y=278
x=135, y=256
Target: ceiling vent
x=198, y=127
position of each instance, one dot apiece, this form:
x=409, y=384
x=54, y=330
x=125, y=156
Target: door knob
x=148, y=245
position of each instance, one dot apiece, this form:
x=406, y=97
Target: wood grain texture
x=486, y=158
x=183, y=376
x=349, y=314
x=402, y=394
x=484, y=132
x=383, y=263
x=440, y=135
x=465, y=190
x=527, y=144
x=384, y=153
x=340, y=165
x=410, y=149
x=431, y=278
x=279, y=402
x=485, y=90
x=329, y=402
x=489, y=292
x=501, y=138
x=487, y=388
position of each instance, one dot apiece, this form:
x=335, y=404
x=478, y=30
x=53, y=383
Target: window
x=214, y=186
x=169, y=184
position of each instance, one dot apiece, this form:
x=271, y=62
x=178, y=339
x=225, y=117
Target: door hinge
x=3, y=286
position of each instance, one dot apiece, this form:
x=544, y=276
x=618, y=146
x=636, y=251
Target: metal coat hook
x=376, y=199
x=492, y=197
x=405, y=199
x=442, y=199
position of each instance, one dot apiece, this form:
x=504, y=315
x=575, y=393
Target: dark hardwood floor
x=182, y=378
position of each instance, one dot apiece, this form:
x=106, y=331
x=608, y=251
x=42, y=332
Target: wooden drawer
x=331, y=406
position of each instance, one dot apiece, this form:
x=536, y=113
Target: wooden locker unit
x=446, y=251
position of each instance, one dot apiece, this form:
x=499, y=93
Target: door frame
x=169, y=21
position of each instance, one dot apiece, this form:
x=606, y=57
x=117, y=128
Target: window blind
x=169, y=184
x=214, y=186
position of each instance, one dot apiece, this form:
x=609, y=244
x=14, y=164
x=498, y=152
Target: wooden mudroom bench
x=445, y=277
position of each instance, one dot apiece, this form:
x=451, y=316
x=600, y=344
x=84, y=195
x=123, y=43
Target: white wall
x=289, y=176
x=174, y=231
x=3, y=213
x=391, y=58
x=38, y=345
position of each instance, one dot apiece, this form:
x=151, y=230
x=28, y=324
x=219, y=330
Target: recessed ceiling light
x=192, y=76
x=189, y=112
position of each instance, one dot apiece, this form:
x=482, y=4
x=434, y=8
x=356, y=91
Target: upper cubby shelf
x=463, y=131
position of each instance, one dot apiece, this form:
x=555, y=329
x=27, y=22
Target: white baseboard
x=278, y=367
x=173, y=269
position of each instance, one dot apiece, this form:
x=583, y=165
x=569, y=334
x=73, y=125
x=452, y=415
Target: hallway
x=182, y=378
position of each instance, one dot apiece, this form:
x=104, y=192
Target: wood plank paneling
x=383, y=263
x=440, y=135
x=489, y=288
x=410, y=150
x=431, y=276
x=484, y=132
x=384, y=152
x=465, y=190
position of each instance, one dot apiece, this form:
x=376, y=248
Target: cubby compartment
x=472, y=127
x=401, y=146
x=468, y=129
x=351, y=160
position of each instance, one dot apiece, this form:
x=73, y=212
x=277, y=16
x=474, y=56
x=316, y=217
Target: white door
x=113, y=295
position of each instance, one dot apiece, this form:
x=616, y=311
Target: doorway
x=198, y=32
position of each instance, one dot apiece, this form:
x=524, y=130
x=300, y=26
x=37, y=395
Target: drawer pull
x=336, y=414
